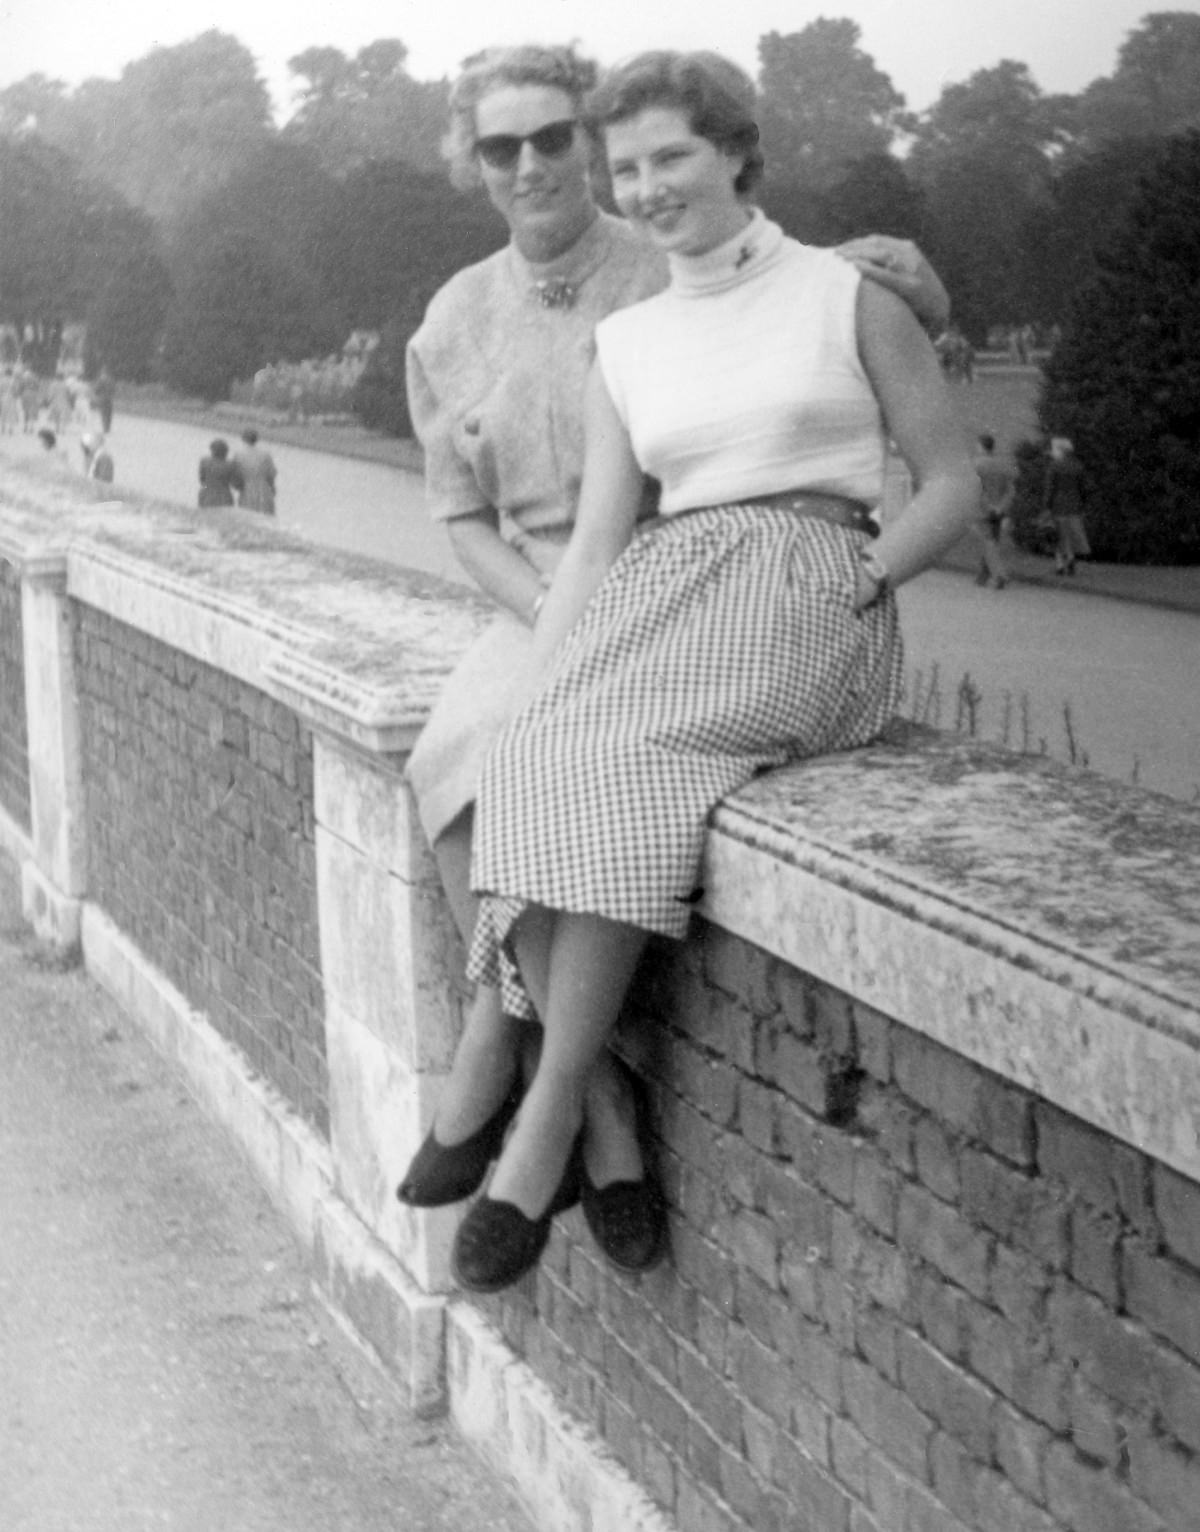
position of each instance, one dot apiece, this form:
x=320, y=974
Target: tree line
x=200, y=241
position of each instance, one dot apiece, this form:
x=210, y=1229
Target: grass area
x=1002, y=400
x=340, y=434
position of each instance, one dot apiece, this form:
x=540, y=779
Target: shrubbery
x=1124, y=381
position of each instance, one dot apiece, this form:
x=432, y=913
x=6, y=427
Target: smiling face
x=673, y=183
x=546, y=199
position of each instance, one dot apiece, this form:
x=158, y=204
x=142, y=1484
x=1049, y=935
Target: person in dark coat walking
x=1064, y=503
x=219, y=477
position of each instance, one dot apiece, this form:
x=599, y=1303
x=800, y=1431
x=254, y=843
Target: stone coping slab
x=1042, y=921
x=355, y=645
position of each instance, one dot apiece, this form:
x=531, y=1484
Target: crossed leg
x=578, y=969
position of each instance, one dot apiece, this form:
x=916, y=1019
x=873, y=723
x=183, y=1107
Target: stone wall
x=924, y=1080
x=14, y=740
x=903, y=1294
x=199, y=802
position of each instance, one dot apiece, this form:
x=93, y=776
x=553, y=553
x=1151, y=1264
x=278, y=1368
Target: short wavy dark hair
x=561, y=68
x=718, y=99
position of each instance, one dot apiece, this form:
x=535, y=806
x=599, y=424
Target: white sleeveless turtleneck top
x=743, y=377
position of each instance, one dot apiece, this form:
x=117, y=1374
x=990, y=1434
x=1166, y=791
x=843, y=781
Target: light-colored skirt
x=1072, y=537
x=473, y=707
x=478, y=699
x=722, y=642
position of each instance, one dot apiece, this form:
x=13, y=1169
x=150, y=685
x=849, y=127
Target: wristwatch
x=877, y=572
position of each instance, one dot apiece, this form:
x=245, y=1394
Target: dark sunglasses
x=502, y=150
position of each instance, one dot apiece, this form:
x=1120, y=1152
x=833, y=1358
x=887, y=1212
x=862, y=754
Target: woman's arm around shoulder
x=901, y=267
x=923, y=420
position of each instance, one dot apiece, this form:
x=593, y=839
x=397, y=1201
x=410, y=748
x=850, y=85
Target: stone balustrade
x=925, y=1075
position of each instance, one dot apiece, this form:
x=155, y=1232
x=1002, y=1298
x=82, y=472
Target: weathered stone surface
x=1079, y=865
x=1040, y=921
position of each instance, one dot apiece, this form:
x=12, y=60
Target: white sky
x=922, y=44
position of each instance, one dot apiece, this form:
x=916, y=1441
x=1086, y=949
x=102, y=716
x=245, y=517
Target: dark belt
x=839, y=509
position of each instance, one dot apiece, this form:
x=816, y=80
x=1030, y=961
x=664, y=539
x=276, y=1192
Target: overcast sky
x=922, y=44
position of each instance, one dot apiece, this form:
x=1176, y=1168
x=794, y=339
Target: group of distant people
x=30, y=403
x=1062, y=509
x=245, y=478
x=50, y=408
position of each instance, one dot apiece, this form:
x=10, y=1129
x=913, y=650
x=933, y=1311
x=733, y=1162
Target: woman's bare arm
x=928, y=430
x=498, y=569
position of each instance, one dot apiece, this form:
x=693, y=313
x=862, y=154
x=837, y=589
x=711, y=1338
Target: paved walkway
x=163, y=1362
x=1176, y=588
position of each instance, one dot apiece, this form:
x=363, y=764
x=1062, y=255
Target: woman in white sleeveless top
x=751, y=625
x=496, y=380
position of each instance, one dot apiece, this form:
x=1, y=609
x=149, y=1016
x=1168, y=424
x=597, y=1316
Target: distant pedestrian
x=29, y=391
x=11, y=417
x=61, y=404
x=83, y=409
x=257, y=468
x=956, y=354
x=97, y=459
x=997, y=490
x=219, y=476
x=49, y=440
x=104, y=394
x=1063, y=503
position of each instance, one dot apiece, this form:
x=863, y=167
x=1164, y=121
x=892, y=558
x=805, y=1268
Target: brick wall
x=904, y=1296
x=200, y=828
x=14, y=738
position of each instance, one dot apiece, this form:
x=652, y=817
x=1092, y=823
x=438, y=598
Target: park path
x=1054, y=667
x=164, y=1362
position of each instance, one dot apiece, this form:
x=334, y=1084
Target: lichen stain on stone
x=369, y=619
x=1105, y=868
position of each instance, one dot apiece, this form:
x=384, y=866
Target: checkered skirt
x=722, y=642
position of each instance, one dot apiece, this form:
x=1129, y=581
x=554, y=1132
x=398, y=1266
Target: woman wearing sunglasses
x=496, y=384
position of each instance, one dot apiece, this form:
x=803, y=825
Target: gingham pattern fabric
x=722, y=642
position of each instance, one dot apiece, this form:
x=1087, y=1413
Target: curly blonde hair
x=558, y=67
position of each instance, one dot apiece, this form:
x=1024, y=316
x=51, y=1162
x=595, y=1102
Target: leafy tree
x=824, y=103
x=72, y=250
x=875, y=195
x=283, y=199
x=125, y=319
x=403, y=231
x=1088, y=200
x=32, y=105
x=353, y=110
x=239, y=305
x=176, y=124
x=44, y=217
x=1124, y=383
x=1154, y=90
x=983, y=157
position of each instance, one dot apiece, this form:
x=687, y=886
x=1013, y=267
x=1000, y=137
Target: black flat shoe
x=628, y=1220
x=496, y=1244
x=441, y=1174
